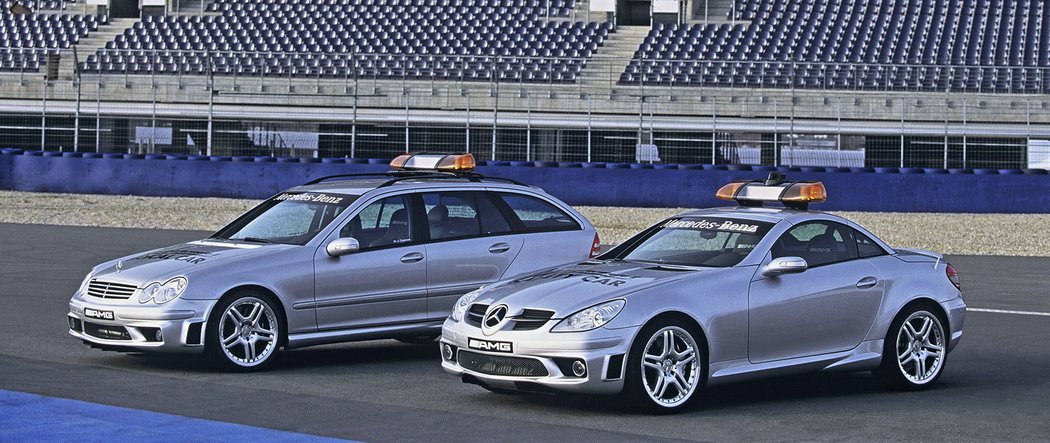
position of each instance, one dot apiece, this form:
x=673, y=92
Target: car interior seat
x=397, y=232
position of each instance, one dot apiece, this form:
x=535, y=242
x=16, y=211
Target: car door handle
x=411, y=257
x=499, y=248
x=867, y=282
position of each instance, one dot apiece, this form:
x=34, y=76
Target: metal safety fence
x=600, y=109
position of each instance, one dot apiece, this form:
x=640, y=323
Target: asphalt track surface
x=995, y=386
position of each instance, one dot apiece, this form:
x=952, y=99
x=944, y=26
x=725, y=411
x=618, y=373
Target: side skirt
x=864, y=357
x=361, y=334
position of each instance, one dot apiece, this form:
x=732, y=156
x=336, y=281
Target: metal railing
x=378, y=105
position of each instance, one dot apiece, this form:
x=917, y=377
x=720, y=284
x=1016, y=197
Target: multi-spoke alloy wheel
x=915, y=350
x=668, y=367
x=245, y=334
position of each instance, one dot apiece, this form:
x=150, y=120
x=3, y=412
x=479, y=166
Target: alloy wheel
x=248, y=332
x=670, y=366
x=920, y=347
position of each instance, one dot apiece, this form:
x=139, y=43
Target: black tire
x=420, y=340
x=244, y=335
x=914, y=363
x=678, y=365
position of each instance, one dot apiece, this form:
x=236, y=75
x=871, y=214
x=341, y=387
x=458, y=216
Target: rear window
x=538, y=215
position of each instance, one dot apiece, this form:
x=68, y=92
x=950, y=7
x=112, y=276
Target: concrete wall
x=614, y=184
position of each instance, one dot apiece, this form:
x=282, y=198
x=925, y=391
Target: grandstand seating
x=461, y=39
x=553, y=8
x=38, y=5
x=25, y=39
x=934, y=45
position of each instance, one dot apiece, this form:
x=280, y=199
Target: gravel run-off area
x=971, y=234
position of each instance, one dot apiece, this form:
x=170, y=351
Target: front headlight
x=591, y=318
x=84, y=284
x=163, y=293
x=463, y=303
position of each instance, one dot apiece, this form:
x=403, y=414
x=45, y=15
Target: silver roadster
x=714, y=296
x=343, y=258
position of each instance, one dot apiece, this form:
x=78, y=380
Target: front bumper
x=128, y=326
x=540, y=361
x=956, y=309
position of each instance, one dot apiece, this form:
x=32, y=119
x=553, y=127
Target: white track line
x=1000, y=311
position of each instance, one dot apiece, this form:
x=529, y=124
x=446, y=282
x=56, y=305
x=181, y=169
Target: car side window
x=382, y=223
x=819, y=243
x=452, y=214
x=537, y=215
x=866, y=247
x=492, y=220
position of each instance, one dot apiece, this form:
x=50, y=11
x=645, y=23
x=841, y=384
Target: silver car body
x=398, y=291
x=754, y=326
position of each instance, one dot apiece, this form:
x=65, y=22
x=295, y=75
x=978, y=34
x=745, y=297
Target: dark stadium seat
x=380, y=39
x=963, y=45
x=26, y=39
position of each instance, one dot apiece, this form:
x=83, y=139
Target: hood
x=183, y=259
x=568, y=289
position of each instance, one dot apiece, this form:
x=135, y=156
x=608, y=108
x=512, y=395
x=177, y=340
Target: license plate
x=489, y=345
x=100, y=315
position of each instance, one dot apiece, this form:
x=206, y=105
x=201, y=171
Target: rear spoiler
x=912, y=255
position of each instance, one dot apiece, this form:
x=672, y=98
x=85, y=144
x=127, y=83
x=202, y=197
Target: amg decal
x=101, y=315
x=493, y=346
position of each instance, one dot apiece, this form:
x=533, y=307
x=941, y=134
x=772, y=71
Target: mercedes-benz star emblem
x=120, y=266
x=494, y=319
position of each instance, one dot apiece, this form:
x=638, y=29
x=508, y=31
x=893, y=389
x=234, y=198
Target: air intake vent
x=500, y=365
x=531, y=319
x=107, y=289
x=475, y=313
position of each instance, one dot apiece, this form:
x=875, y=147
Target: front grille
x=106, y=332
x=108, y=289
x=500, y=365
x=475, y=313
x=531, y=319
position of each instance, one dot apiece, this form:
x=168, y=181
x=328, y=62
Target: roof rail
x=401, y=175
x=361, y=175
x=470, y=176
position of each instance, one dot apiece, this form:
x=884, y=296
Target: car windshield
x=290, y=218
x=694, y=241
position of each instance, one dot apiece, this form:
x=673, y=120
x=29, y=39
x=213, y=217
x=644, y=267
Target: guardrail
x=577, y=183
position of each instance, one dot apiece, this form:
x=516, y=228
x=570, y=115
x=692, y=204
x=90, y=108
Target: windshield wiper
x=254, y=240
x=675, y=267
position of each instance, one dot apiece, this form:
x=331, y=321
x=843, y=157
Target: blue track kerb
x=35, y=418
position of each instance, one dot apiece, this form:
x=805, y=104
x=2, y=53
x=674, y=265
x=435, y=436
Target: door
x=382, y=284
x=470, y=244
x=828, y=308
x=124, y=8
x=634, y=12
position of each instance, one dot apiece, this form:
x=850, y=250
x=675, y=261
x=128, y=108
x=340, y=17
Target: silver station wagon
x=343, y=258
x=714, y=296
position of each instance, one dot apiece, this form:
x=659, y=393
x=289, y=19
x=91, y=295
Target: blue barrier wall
x=690, y=186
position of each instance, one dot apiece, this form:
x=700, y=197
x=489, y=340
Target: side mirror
x=785, y=265
x=342, y=246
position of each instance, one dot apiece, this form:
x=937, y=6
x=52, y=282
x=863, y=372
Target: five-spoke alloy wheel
x=244, y=334
x=915, y=351
x=666, y=367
